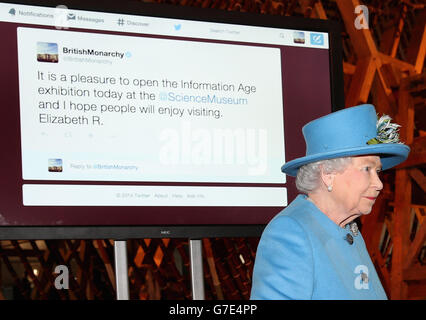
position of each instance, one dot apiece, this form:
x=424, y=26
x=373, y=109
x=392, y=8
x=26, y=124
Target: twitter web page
x=117, y=108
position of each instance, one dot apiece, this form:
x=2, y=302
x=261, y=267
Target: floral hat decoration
x=387, y=132
x=351, y=132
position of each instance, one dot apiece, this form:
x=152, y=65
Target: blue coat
x=302, y=254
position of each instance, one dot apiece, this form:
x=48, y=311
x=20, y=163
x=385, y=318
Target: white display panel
x=99, y=107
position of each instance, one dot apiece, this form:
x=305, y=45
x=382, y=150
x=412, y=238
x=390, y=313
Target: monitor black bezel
x=120, y=232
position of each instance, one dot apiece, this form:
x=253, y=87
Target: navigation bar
x=63, y=18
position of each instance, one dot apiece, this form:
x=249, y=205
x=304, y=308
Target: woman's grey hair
x=309, y=176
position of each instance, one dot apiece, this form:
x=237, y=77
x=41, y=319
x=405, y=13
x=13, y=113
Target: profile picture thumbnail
x=55, y=165
x=299, y=37
x=47, y=52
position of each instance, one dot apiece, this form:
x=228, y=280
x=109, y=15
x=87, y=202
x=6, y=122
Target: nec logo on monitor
x=317, y=39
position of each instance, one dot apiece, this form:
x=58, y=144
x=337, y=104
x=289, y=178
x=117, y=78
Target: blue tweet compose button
x=317, y=39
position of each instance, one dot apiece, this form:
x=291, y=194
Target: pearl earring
x=330, y=188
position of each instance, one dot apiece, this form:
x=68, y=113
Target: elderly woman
x=313, y=249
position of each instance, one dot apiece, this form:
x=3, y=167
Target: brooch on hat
x=387, y=132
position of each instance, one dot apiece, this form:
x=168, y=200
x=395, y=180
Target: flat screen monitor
x=128, y=119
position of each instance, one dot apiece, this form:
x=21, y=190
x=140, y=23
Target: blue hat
x=350, y=132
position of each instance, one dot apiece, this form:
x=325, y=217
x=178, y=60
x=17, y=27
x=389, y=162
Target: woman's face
x=357, y=187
